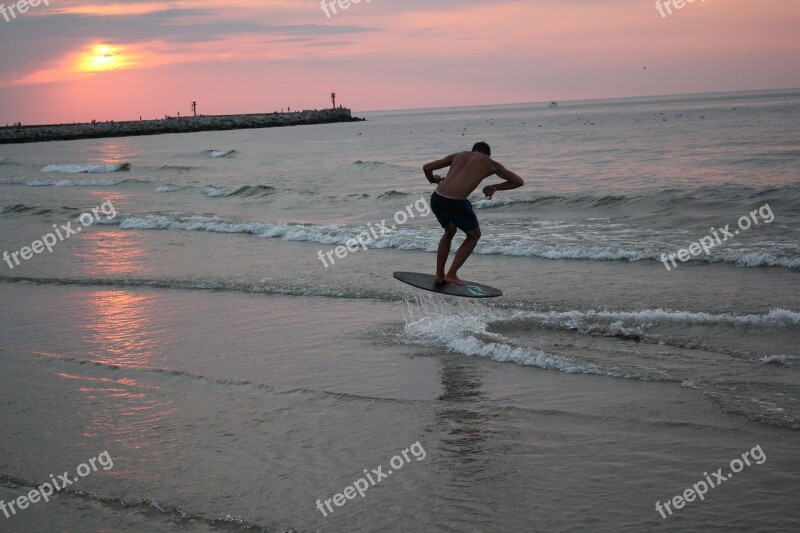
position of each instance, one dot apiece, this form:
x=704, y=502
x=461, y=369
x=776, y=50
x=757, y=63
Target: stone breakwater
x=93, y=130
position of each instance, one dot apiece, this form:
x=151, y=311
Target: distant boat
x=553, y=104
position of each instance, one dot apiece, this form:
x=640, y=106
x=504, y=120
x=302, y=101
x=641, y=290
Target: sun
x=102, y=57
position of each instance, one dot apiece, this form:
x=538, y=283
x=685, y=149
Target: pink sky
x=81, y=60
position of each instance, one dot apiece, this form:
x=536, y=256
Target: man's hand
x=512, y=181
x=436, y=165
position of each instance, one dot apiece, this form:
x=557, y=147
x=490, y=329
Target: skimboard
x=426, y=282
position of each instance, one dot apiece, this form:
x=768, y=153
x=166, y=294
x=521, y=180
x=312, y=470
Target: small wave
x=178, y=168
x=147, y=505
x=216, y=154
x=393, y=194
x=22, y=209
x=733, y=195
x=759, y=259
x=291, y=288
x=529, y=246
x=254, y=191
x=656, y=326
x=216, y=192
x=780, y=360
x=14, y=209
x=370, y=164
x=75, y=183
x=463, y=328
x=615, y=322
x=474, y=329
x=548, y=200
x=690, y=383
x=333, y=234
x=214, y=224
x=88, y=169
x=407, y=238
x=247, y=191
x=168, y=188
x=376, y=165
x=592, y=253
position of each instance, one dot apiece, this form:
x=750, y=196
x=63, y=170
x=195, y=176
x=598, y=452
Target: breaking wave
x=88, y=169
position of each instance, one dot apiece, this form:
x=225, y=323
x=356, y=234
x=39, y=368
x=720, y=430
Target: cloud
x=392, y=53
x=49, y=45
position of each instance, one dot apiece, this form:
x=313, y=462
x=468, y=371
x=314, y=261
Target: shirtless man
x=452, y=209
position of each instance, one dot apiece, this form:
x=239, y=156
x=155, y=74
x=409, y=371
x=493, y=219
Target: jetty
x=94, y=130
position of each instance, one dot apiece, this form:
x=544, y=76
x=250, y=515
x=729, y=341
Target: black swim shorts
x=458, y=212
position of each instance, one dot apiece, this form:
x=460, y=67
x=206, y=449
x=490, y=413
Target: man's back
x=467, y=170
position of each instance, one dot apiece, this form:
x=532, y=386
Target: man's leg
x=444, y=251
x=464, y=251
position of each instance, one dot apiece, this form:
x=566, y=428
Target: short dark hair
x=483, y=148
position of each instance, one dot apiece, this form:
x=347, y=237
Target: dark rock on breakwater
x=93, y=130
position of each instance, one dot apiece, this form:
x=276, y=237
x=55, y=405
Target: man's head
x=483, y=148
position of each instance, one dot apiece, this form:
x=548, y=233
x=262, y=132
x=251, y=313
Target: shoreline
x=96, y=130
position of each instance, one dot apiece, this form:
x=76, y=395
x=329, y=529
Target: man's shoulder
x=485, y=160
x=471, y=155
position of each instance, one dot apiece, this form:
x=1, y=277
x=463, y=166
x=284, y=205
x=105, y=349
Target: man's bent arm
x=436, y=165
x=512, y=181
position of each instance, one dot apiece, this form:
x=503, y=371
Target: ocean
x=204, y=312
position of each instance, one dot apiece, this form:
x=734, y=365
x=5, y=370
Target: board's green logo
x=475, y=290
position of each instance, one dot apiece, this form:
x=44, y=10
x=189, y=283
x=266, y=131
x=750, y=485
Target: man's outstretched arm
x=436, y=165
x=512, y=181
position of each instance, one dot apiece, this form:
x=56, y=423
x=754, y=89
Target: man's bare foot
x=439, y=280
x=455, y=280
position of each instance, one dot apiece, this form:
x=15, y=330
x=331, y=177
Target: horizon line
x=582, y=100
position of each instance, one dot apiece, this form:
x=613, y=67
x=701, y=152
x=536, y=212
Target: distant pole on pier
x=333, y=97
x=194, y=107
